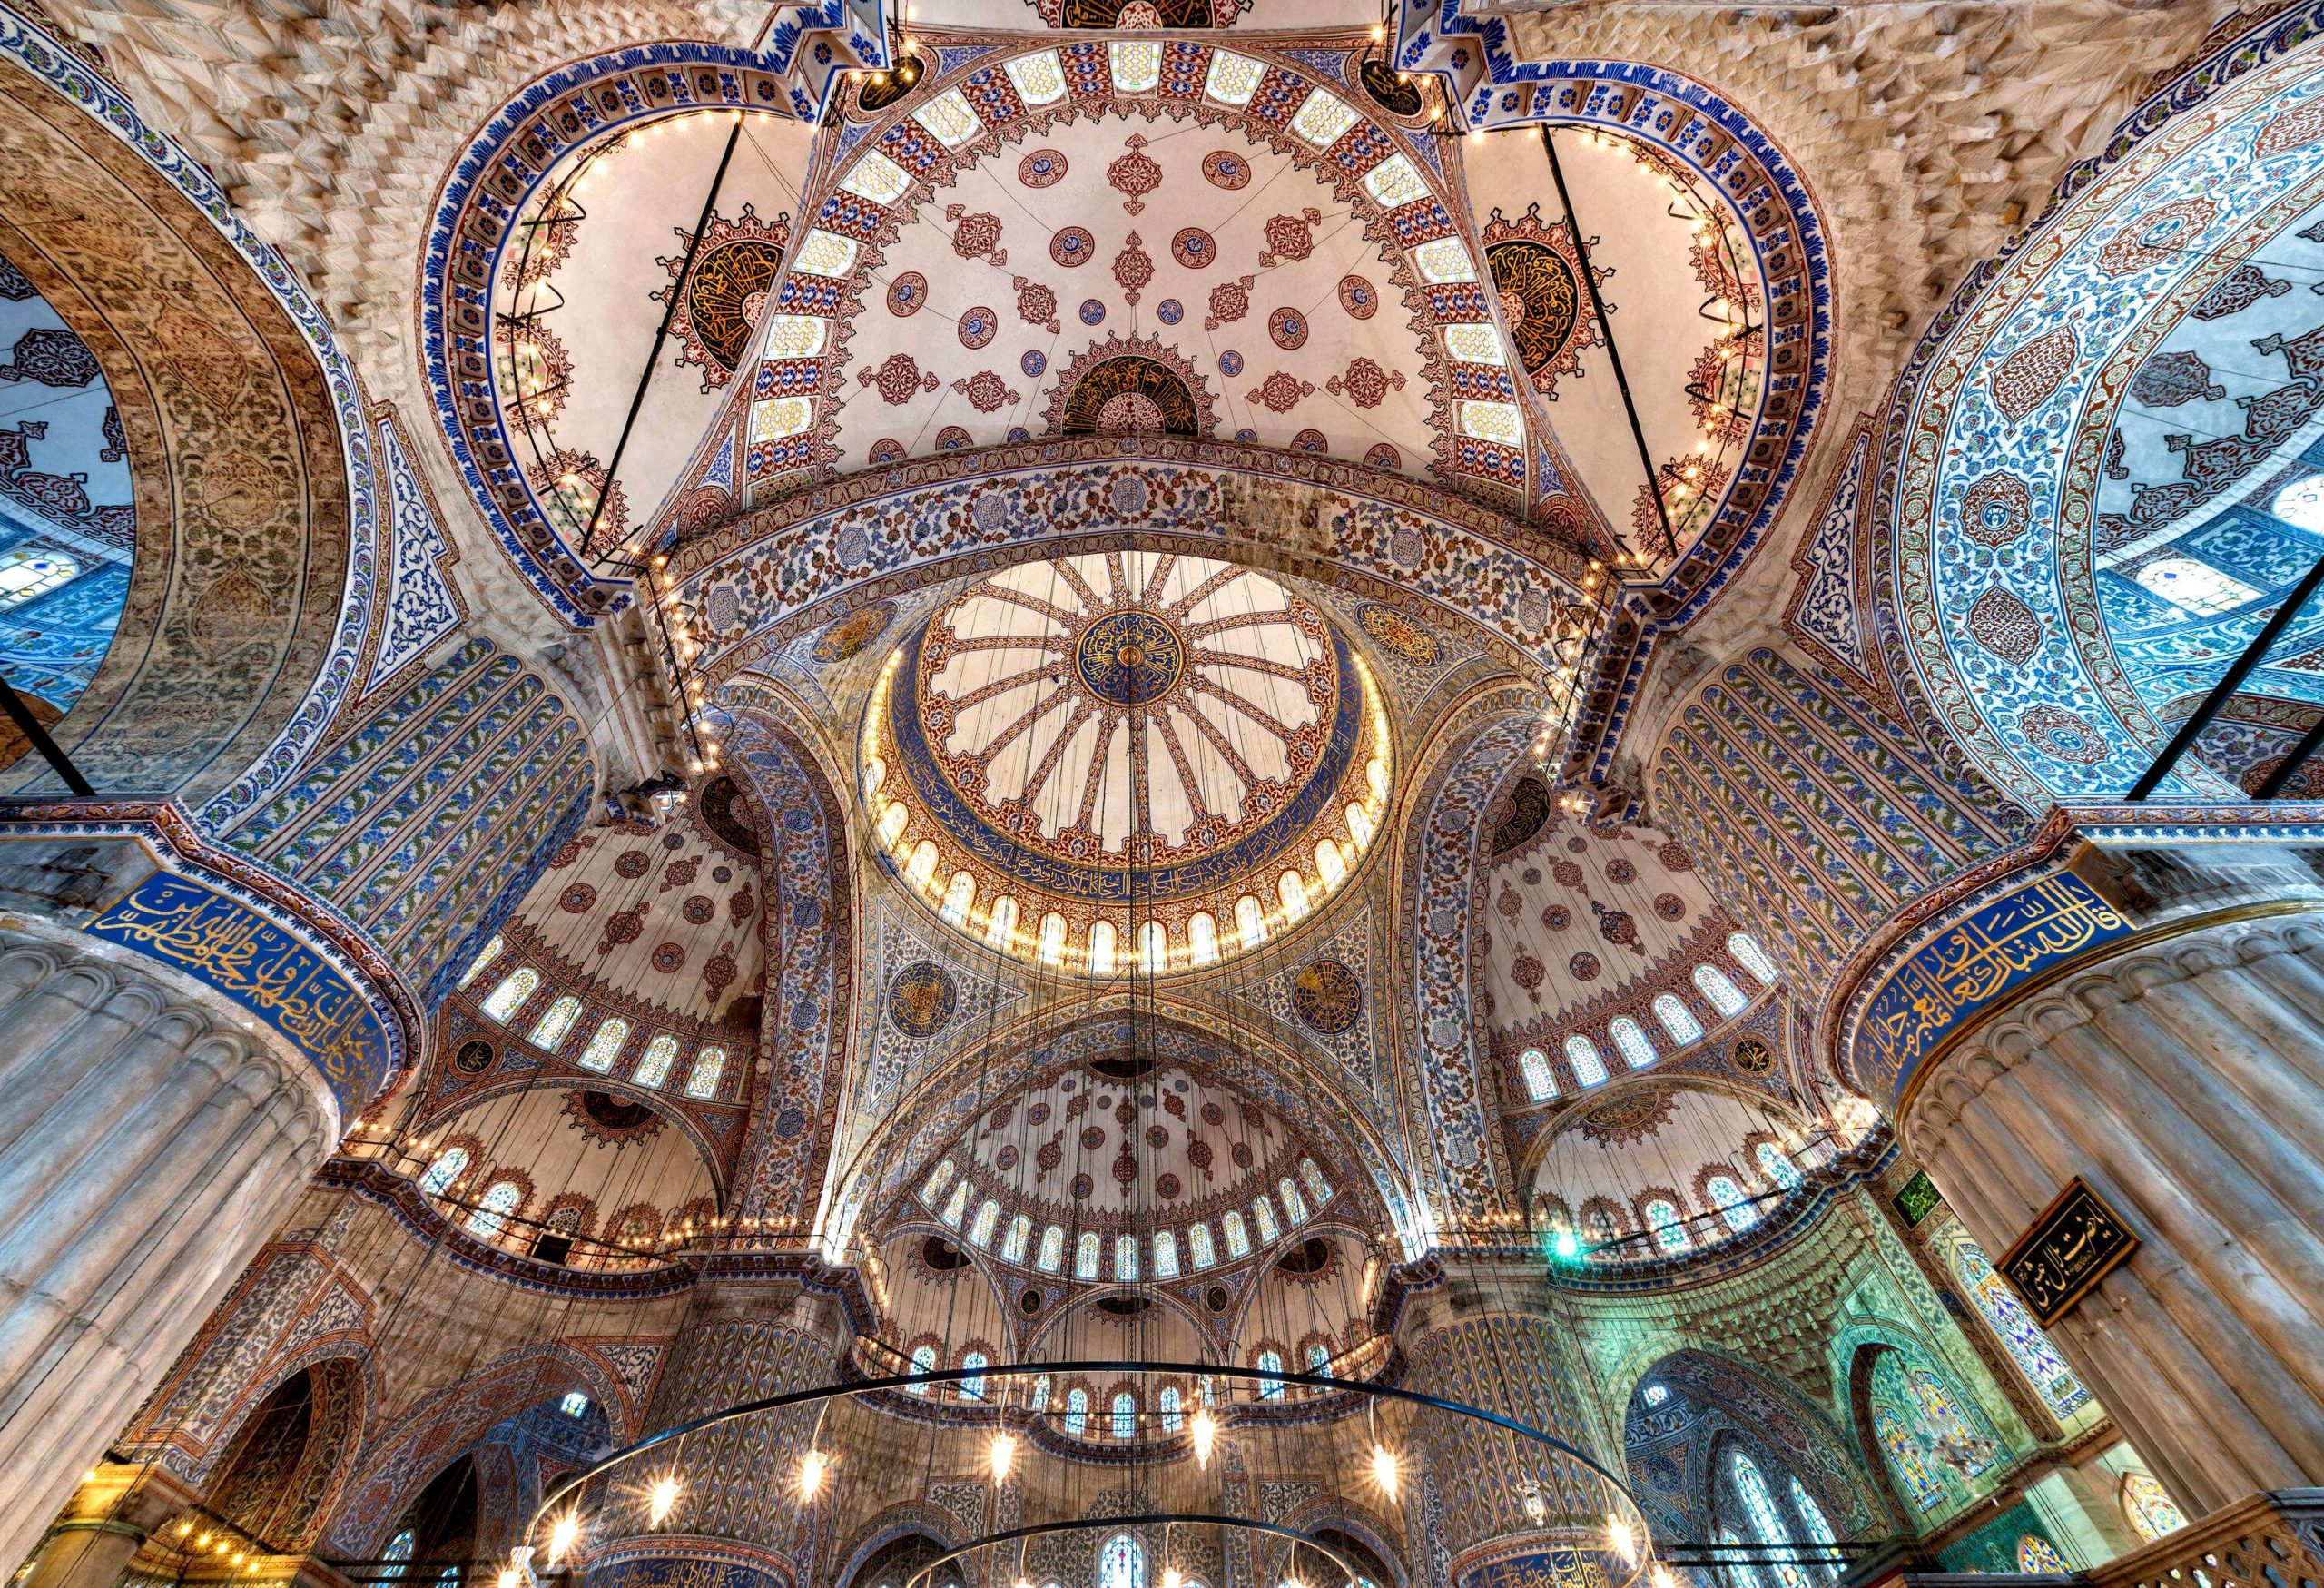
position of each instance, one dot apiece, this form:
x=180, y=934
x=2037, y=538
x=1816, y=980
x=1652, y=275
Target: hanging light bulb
x=1004, y=1457
x=1662, y=1577
x=662, y=1499
x=561, y=1536
x=508, y=1578
x=1206, y=1432
x=1383, y=1470
x=811, y=1468
x=1537, y=1510
x=1621, y=1540
x=1170, y=1578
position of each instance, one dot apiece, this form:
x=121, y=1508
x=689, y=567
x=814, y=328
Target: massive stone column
x=151, y=1138
x=1489, y=1335
x=2183, y=1081
x=738, y=1506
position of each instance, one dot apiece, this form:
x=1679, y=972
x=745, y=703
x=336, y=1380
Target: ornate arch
x=1761, y=1402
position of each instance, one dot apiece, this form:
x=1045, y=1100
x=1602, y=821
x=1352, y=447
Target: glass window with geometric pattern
x=2023, y=1339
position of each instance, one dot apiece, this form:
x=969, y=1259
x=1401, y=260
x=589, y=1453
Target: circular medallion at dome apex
x=1067, y=738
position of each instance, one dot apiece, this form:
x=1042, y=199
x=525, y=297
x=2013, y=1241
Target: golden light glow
x=1170, y=1578
x=1623, y=1542
x=1383, y=1470
x=561, y=1537
x=812, y=1467
x=1206, y=1432
x=662, y=1499
x=1004, y=1457
x=1662, y=1577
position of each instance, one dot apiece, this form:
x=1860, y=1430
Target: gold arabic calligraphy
x=2066, y=1253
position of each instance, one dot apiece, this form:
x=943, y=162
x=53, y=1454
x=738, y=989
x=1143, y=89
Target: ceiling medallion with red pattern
x=1130, y=386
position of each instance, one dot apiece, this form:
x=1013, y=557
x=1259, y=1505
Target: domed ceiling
x=1075, y=756
x=1653, y=1143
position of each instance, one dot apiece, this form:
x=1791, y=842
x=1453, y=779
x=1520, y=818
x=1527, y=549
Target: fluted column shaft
x=2183, y=1081
x=150, y=1142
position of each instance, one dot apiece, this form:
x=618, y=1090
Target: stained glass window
x=956, y=1206
x=483, y=960
x=1165, y=1254
x=1199, y=1244
x=1819, y=1531
x=1124, y=1414
x=1539, y=1084
x=1715, y=985
x=1040, y=1397
x=1630, y=1038
x=1904, y=1459
x=1662, y=1217
x=1294, y=1206
x=1250, y=921
x=398, y=1552
x=574, y=1405
x=1759, y=1504
x=1319, y=1358
x=1122, y=1563
x=1941, y=1413
x=1102, y=961
x=1740, y=1573
x=1270, y=1361
x=654, y=1065
x=1656, y=1394
x=449, y=1165
x=1677, y=1019
x=2027, y=1345
x=1173, y=1417
x=1582, y=1054
x=1239, y=1240
x=1052, y=1256
x=923, y=1360
x=1085, y=1255
x=987, y=1219
x=1317, y=1186
x=2149, y=1507
x=973, y=1387
x=709, y=1068
x=1263, y=1214
x=1733, y=1205
x=1778, y=1166
x=1076, y=1411
x=555, y=1022
x=2038, y=1556
x=510, y=997
x=1013, y=1244
x=1751, y=956
x=959, y=897
x=931, y=1191
x=1126, y=1257
x=500, y=1199
x=604, y=1046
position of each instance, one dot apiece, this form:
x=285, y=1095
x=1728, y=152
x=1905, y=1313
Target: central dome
x=1071, y=743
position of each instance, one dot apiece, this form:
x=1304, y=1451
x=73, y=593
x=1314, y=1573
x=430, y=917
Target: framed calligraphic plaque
x=2076, y=1241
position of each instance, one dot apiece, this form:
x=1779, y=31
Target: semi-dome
x=1126, y=761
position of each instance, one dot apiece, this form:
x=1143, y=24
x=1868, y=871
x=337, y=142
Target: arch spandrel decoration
x=1997, y=438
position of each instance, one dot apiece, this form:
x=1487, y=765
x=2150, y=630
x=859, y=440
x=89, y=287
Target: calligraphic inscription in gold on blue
x=1549, y=1568
x=260, y=966
x=1967, y=967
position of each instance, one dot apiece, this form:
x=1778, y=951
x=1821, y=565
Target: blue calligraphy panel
x=227, y=945
x=1970, y=966
x=1553, y=1566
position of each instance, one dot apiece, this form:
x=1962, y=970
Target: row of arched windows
x=1798, y=1526
x=1724, y=1191
x=948, y=1194
x=1630, y=1038
x=1084, y=1412
x=705, y=1074
x=493, y=1214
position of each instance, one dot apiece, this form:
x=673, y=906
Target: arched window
x=1317, y=1186
x=1330, y=865
x=2150, y=1509
x=1582, y=1054
x=1539, y=1084
x=654, y=1065
x=1294, y=888
x=26, y=575
x=709, y=1068
x=555, y=1021
x=893, y=821
x=574, y=1405
x=1153, y=949
x=932, y=1190
x=1751, y=956
x=958, y=898
x=1122, y=1563
x=1013, y=1244
x=449, y=1165
x=1656, y=1394
x=1733, y=1205
x=604, y=1046
x=1165, y=1254
x=987, y=1219
x=1677, y=1019
x=1819, y=1531
x=923, y=1360
x=1199, y=1244
x=1168, y=1403
x=2195, y=586
x=1101, y=948
x=1238, y=1240
x=1126, y=1257
x=1052, y=1256
x=1000, y=921
x=1637, y=1051
x=397, y=1556
x=922, y=868
x=483, y=960
x=1041, y=1397
x=500, y=1199
x=2027, y=1345
x=1942, y=1417
x=1715, y=984
x=510, y=997
x=1250, y=921
x=956, y=1206
x=1767, y=1522
x=1124, y=1414
x=1359, y=828
x=1076, y=1411
x=1670, y=1234
x=972, y=1386
x=1319, y=1358
x=1202, y=939
x=1778, y=1166
x=2038, y=1557
x=1051, y=946
x=1904, y=1459
x=1740, y=1573
x=1085, y=1255
x=1270, y=1361
x=1294, y=1206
